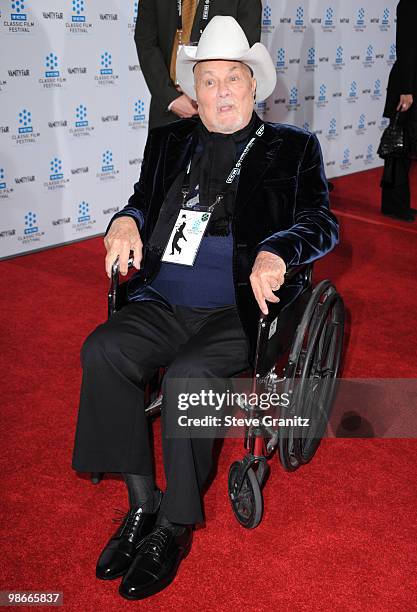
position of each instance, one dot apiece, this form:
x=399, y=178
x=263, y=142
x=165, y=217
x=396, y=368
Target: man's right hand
x=184, y=107
x=123, y=237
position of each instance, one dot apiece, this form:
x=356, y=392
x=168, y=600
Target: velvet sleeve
x=137, y=205
x=315, y=231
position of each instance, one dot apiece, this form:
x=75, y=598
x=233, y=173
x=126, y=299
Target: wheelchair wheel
x=311, y=375
x=247, y=504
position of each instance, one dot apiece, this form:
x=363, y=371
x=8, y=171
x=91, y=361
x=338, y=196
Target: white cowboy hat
x=224, y=39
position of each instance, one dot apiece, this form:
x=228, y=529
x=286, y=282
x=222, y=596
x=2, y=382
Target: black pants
x=395, y=184
x=395, y=187
x=118, y=359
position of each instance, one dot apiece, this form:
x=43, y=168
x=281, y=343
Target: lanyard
x=232, y=174
x=204, y=19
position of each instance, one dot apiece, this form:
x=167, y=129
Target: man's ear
x=254, y=88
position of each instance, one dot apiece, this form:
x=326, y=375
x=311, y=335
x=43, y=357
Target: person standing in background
x=162, y=27
x=402, y=96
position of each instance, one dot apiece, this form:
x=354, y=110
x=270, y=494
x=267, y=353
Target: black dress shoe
x=118, y=554
x=156, y=562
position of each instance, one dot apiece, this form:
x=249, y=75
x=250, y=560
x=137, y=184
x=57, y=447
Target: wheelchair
x=298, y=351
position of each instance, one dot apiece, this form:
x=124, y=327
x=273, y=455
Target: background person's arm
x=407, y=46
x=249, y=17
x=151, y=59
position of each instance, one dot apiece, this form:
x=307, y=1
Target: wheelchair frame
x=306, y=365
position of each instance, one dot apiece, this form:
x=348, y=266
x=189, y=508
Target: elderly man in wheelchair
x=228, y=209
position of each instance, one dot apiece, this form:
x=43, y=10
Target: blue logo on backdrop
x=139, y=111
x=107, y=161
x=369, y=157
x=138, y=116
x=353, y=92
x=51, y=65
x=306, y=126
x=77, y=11
x=106, y=75
x=267, y=14
x=361, y=129
x=81, y=116
x=369, y=57
x=392, y=55
x=56, y=170
x=338, y=61
x=346, y=158
x=384, y=26
x=2, y=181
x=332, y=131
x=311, y=56
x=83, y=212
x=56, y=176
x=106, y=62
x=132, y=21
x=25, y=132
x=299, y=25
x=377, y=93
x=321, y=98
x=18, y=6
x=328, y=23
x=299, y=16
x=359, y=24
x=328, y=17
x=25, y=122
x=293, y=103
x=281, y=58
x=30, y=223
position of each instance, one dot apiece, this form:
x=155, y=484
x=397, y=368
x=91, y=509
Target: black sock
x=142, y=492
x=164, y=522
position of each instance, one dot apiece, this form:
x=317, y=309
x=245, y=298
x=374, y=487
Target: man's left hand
x=267, y=276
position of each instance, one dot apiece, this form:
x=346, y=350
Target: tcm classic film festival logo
x=84, y=219
x=18, y=20
x=78, y=22
x=108, y=170
x=80, y=127
x=25, y=132
x=51, y=77
x=31, y=229
x=138, y=120
x=56, y=178
x=106, y=74
x=5, y=190
x=131, y=24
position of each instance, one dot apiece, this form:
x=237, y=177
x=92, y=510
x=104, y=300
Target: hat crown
x=223, y=36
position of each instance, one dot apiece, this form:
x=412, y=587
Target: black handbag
x=394, y=142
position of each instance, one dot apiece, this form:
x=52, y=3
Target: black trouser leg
x=396, y=187
x=118, y=359
x=219, y=349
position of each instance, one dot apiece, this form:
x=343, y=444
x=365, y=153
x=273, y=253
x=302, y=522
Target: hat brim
x=257, y=58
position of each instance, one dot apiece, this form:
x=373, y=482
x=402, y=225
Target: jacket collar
x=180, y=142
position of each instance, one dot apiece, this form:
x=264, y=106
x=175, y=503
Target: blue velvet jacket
x=282, y=202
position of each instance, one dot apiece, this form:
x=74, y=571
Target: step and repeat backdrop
x=74, y=104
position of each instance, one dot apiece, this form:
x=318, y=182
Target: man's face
x=225, y=95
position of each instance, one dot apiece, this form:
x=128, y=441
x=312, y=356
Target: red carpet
x=339, y=534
